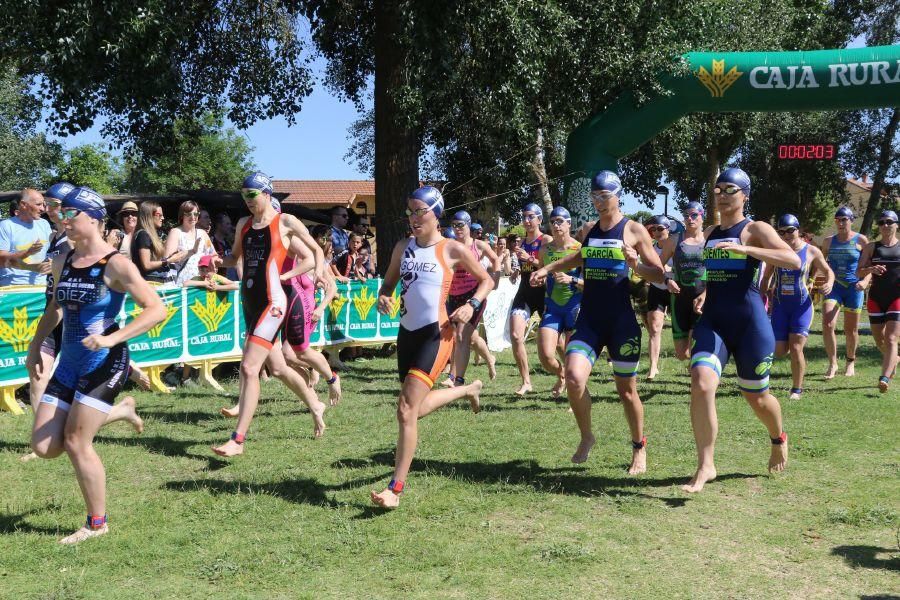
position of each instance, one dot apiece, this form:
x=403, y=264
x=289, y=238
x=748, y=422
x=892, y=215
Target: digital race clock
x=807, y=151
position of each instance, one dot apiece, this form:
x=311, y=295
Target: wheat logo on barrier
x=719, y=81
x=337, y=304
x=211, y=313
x=21, y=332
x=156, y=330
x=395, y=306
x=363, y=302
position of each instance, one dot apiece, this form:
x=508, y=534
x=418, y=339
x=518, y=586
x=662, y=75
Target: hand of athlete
x=878, y=270
x=698, y=303
x=538, y=277
x=732, y=247
x=462, y=314
x=672, y=286
x=285, y=277
x=44, y=267
x=96, y=342
x=631, y=256
x=215, y=262
x=825, y=288
x=33, y=363
x=562, y=278
x=861, y=285
x=317, y=314
x=385, y=304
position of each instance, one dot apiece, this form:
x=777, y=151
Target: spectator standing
x=24, y=239
x=339, y=236
x=147, y=249
x=188, y=240
x=361, y=227
x=120, y=239
x=204, y=223
x=346, y=264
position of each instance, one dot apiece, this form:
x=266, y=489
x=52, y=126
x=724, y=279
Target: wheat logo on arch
x=718, y=81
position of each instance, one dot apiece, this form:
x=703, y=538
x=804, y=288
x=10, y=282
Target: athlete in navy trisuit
x=90, y=283
x=881, y=261
x=424, y=265
x=735, y=323
x=610, y=246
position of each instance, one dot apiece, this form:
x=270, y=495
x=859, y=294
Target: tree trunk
x=712, y=173
x=396, y=146
x=884, y=163
x=539, y=168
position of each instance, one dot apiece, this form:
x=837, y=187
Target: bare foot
x=700, y=478
x=794, y=396
x=526, y=387
x=850, y=371
x=132, y=416
x=83, y=534
x=492, y=367
x=584, y=450
x=318, y=415
x=144, y=381
x=778, y=459
x=831, y=371
x=558, y=388
x=448, y=383
x=334, y=391
x=27, y=457
x=229, y=448
x=231, y=413
x=474, y=395
x=638, y=461
x=386, y=499
x=652, y=374
x=883, y=384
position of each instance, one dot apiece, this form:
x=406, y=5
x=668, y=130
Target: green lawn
x=493, y=508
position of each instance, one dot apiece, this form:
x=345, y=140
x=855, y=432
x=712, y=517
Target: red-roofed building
x=318, y=194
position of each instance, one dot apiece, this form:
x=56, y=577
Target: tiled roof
x=340, y=192
x=861, y=183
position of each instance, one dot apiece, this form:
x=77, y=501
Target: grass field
x=493, y=508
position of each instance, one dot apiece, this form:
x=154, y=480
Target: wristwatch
x=475, y=303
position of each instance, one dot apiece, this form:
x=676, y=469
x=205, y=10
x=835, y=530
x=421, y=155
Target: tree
x=26, y=156
x=204, y=154
x=92, y=166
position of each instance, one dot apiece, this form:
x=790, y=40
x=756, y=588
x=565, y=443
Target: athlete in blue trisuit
x=89, y=290
x=688, y=277
x=658, y=295
x=842, y=251
x=610, y=246
x=734, y=323
x=881, y=261
x=792, y=305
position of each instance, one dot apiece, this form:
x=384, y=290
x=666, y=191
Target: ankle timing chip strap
x=781, y=439
x=641, y=444
x=238, y=437
x=96, y=522
x=396, y=486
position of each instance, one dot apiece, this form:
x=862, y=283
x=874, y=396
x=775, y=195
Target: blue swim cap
x=87, y=201
x=475, y=226
x=659, y=220
x=257, y=181
x=276, y=204
x=694, y=205
x=463, y=216
x=788, y=220
x=845, y=211
x=534, y=208
x=431, y=196
x=448, y=233
x=58, y=191
x=736, y=177
x=606, y=181
x=888, y=214
x=561, y=211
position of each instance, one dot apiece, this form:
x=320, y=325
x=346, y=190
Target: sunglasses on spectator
x=886, y=223
x=557, y=222
x=192, y=214
x=419, y=212
x=130, y=215
x=692, y=216
x=250, y=194
x=730, y=190
x=787, y=230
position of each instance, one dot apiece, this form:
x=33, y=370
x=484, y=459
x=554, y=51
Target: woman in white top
x=189, y=239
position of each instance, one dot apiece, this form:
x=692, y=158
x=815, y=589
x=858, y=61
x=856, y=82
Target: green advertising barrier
x=854, y=78
x=199, y=325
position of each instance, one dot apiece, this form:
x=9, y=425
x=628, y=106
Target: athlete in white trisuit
x=423, y=265
x=90, y=283
x=462, y=288
x=261, y=245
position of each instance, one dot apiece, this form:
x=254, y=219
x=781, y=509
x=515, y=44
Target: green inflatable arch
x=731, y=82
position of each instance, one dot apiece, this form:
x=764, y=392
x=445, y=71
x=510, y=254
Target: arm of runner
x=123, y=276
x=819, y=265
x=768, y=246
x=866, y=269
x=306, y=263
x=329, y=291
x=649, y=267
x=766, y=280
x=486, y=250
x=297, y=227
x=459, y=255
x=237, y=250
x=391, y=278
x=49, y=320
x=566, y=263
x=668, y=251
